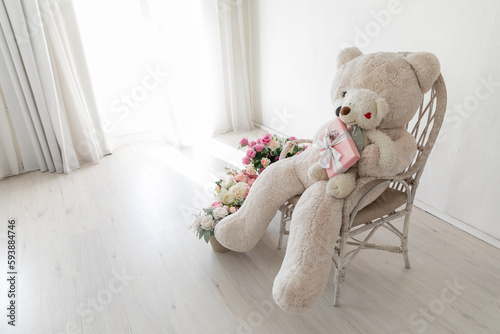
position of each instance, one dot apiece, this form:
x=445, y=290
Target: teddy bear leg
x=314, y=230
x=242, y=230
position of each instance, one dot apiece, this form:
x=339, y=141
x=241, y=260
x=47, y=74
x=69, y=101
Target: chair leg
x=404, y=240
x=338, y=278
x=282, y=230
x=339, y=275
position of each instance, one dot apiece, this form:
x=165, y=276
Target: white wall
x=295, y=44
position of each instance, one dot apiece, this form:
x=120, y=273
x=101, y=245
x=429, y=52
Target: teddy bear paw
x=340, y=186
x=317, y=173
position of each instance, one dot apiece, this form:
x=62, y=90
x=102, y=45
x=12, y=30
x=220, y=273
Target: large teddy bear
x=399, y=83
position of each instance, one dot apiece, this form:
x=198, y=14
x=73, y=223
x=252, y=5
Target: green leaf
x=207, y=236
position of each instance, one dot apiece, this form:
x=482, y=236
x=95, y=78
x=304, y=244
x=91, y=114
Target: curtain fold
x=233, y=17
x=8, y=156
x=51, y=118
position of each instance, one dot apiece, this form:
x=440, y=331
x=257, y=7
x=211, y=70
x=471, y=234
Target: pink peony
x=250, y=153
x=232, y=209
x=240, y=177
x=243, y=142
x=266, y=139
x=216, y=204
x=245, y=161
x=252, y=143
x=258, y=147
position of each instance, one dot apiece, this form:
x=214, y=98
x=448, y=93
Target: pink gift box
x=349, y=154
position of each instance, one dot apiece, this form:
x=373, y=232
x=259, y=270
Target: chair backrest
x=425, y=127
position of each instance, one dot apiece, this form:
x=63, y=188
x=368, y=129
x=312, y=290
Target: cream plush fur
x=364, y=108
x=401, y=81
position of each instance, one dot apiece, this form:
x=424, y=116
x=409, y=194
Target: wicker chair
x=370, y=214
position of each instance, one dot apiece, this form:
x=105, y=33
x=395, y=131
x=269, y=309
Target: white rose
x=227, y=198
x=221, y=194
x=228, y=182
x=274, y=145
x=219, y=213
x=207, y=222
x=197, y=223
x=239, y=190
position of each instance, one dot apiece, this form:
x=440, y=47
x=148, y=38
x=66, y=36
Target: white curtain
x=198, y=46
x=9, y=163
x=233, y=31
x=46, y=90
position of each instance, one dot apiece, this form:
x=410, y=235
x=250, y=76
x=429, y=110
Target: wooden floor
x=107, y=249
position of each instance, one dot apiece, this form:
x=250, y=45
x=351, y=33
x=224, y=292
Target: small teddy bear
x=362, y=110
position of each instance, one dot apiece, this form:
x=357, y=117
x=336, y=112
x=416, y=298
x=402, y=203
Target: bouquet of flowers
x=266, y=150
x=231, y=192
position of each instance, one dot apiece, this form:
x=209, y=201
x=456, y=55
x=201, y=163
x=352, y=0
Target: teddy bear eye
x=343, y=94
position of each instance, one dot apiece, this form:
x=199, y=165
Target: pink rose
x=243, y=142
x=250, y=153
x=240, y=177
x=293, y=138
x=252, y=143
x=245, y=161
x=216, y=204
x=232, y=209
x=250, y=182
x=276, y=159
x=258, y=147
x=265, y=162
x=266, y=139
x=306, y=146
x=259, y=140
x=298, y=152
x=226, y=207
x=217, y=187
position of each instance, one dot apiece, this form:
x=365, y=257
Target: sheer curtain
x=49, y=120
x=191, y=54
x=233, y=31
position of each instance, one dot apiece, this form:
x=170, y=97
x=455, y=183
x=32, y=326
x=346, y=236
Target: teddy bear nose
x=345, y=111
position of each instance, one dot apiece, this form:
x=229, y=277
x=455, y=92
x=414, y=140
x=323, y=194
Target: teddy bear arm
x=316, y=172
x=386, y=148
x=404, y=147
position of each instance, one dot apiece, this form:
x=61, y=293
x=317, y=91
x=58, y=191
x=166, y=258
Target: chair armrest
x=291, y=144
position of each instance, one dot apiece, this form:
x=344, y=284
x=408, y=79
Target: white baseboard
x=272, y=131
x=458, y=224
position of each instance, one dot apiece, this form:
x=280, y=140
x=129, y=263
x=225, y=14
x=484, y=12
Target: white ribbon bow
x=330, y=155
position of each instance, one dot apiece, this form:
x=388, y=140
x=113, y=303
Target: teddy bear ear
x=426, y=67
x=382, y=108
x=346, y=55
